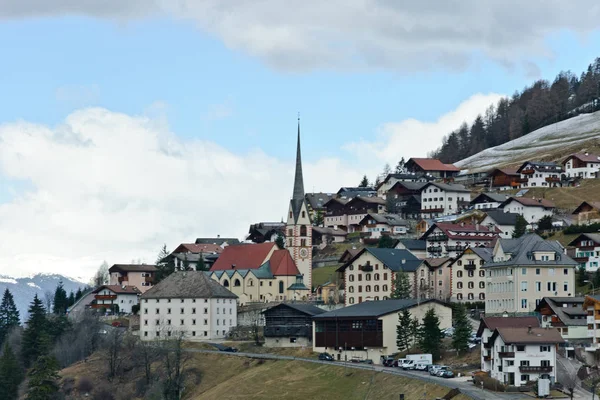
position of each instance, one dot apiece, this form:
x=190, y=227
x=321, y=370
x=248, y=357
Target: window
x=550, y=270
x=281, y=287
x=481, y=296
x=146, y=334
x=470, y=274
x=459, y=274
x=351, y=278
x=376, y=288
x=236, y=283
x=470, y=285
x=351, y=289
x=522, y=348
x=385, y=288
x=459, y=285
x=368, y=277
x=193, y=311
x=523, y=286
x=145, y=322
x=359, y=278
x=158, y=311
x=205, y=322
x=157, y=322
x=525, y=378
x=351, y=300
x=205, y=310
x=182, y=300
x=226, y=283
x=538, y=286
x=524, y=303
x=168, y=322
x=376, y=277
x=250, y=282
x=385, y=276
x=459, y=296
x=459, y=263
x=180, y=322
x=303, y=228
x=145, y=311
x=168, y=311
x=544, y=348
x=469, y=296
x=538, y=271
x=359, y=288
x=481, y=285
x=523, y=271
x=368, y=288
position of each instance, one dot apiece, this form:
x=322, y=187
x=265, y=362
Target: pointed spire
x=298, y=181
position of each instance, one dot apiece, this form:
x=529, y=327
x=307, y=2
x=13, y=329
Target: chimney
x=477, y=226
x=232, y=266
x=403, y=261
x=218, y=236
x=529, y=330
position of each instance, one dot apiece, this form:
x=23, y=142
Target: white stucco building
x=117, y=298
x=438, y=199
x=504, y=221
x=488, y=201
x=187, y=303
x=582, y=165
x=445, y=239
x=531, y=209
x=540, y=174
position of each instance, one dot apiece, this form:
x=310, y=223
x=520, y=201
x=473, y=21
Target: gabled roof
x=307, y=309
x=541, y=166
x=595, y=237
x=188, y=285
x=413, y=186
x=432, y=164
x=484, y=253
x=329, y=231
x=118, y=289
x=349, y=254
x=506, y=171
x=502, y=218
x=197, y=248
x=585, y=157
x=593, y=204
x=282, y=264
x=394, y=259
x=317, y=200
x=435, y=262
x=492, y=323
x=414, y=244
x=243, y=256
x=522, y=253
x=369, y=200
x=489, y=197
x=528, y=336
x=373, y=309
x=132, y=268
x=469, y=231
x=527, y=202
x=387, y=219
x=570, y=316
x=448, y=187
x=217, y=240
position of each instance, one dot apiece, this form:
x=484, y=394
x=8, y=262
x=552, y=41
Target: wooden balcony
x=434, y=249
x=457, y=248
x=105, y=297
x=522, y=180
x=553, y=179
x=506, y=354
x=536, y=369
x=366, y=267
x=528, y=171
x=487, y=358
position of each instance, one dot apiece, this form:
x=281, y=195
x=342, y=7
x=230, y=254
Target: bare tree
x=145, y=355
x=48, y=300
x=113, y=354
x=102, y=276
x=80, y=341
x=174, y=364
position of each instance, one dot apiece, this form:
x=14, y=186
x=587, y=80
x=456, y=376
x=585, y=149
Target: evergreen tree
x=403, y=334
x=9, y=315
x=164, y=264
x=402, y=289
x=400, y=166
x=318, y=221
x=545, y=223
x=415, y=331
x=364, y=182
x=35, y=340
x=201, y=266
x=78, y=294
x=43, y=379
x=520, y=227
x=279, y=241
x=11, y=374
x=462, y=329
x=596, y=279
x=71, y=299
x=431, y=335
x=385, y=242
x=185, y=265
x=61, y=300
x=581, y=275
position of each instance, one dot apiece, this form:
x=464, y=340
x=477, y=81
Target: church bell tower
x=299, y=227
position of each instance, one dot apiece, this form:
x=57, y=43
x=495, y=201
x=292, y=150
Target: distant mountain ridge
x=24, y=289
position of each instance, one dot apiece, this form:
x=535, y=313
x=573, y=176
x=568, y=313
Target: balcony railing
x=366, y=268
x=456, y=248
x=487, y=358
x=438, y=238
x=538, y=369
x=106, y=297
x=506, y=354
x=434, y=249
x=552, y=179
x=528, y=172
x=470, y=266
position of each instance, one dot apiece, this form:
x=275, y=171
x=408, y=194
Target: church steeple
x=298, y=194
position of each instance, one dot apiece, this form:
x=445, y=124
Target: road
x=465, y=387
x=566, y=371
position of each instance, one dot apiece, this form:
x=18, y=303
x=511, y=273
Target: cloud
x=109, y=186
x=382, y=34
x=413, y=138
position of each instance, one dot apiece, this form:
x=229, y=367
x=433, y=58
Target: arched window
x=351, y=289
x=368, y=288
x=481, y=296
x=351, y=300
x=280, y=286
x=470, y=296
x=376, y=298
x=459, y=285
x=459, y=296
x=385, y=289
x=459, y=263
x=351, y=278
x=482, y=285
x=376, y=277
x=471, y=285
x=367, y=277
x=303, y=230
x=226, y=283
x=237, y=283
x=376, y=288
x=385, y=297
x=459, y=274
x=482, y=273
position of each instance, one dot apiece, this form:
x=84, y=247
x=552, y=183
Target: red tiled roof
x=526, y=201
x=119, y=289
x=585, y=157
x=198, y=248
x=507, y=171
x=243, y=256
x=283, y=264
x=432, y=164
x=448, y=227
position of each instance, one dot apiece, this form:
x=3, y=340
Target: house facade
x=190, y=304
x=503, y=221
x=587, y=250
x=378, y=224
x=265, y=231
x=525, y=270
x=139, y=275
x=432, y=279
x=347, y=215
x=504, y=179
x=582, y=165
x=588, y=212
x=445, y=239
x=488, y=201
x=431, y=167
x=438, y=199
x=568, y=316
x=290, y=325
x=370, y=274
x=540, y=174
x=187, y=255
x=591, y=305
x=367, y=331
x=117, y=298
x=531, y=209
x=467, y=275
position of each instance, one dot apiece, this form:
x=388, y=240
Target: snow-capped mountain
x=24, y=289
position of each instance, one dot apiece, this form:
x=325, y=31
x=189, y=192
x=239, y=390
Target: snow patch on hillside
x=549, y=138
x=33, y=285
x=8, y=280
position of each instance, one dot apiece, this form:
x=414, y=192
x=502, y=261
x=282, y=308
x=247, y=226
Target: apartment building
x=540, y=174
x=439, y=199
x=587, y=250
x=467, y=275
x=446, y=239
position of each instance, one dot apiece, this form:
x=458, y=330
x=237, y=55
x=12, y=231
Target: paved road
x=566, y=370
x=465, y=387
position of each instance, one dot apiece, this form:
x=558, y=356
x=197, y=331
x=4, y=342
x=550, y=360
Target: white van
x=408, y=364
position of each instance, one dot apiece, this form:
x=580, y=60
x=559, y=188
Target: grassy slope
x=323, y=274
x=230, y=377
x=569, y=197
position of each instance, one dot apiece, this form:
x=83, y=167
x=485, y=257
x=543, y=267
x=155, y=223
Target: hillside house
x=348, y=215
x=504, y=221
x=439, y=199
x=316, y=203
x=582, y=165
x=290, y=325
x=587, y=213
x=117, y=298
x=367, y=331
x=139, y=275
x=370, y=274
x=540, y=174
x=531, y=209
x=467, y=275
x=392, y=179
x=587, y=250
x=404, y=198
x=488, y=201
x=187, y=255
x=504, y=179
x=417, y=247
x=431, y=167
x=523, y=271
x=187, y=303
x=568, y=316
x=591, y=305
x=348, y=193
x=323, y=236
x=488, y=325
x=445, y=239
x=259, y=273
x=378, y=224
x=223, y=242
x=266, y=231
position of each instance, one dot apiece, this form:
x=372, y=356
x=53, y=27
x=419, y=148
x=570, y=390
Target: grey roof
x=484, y=252
x=570, y=316
x=308, y=309
x=411, y=185
x=188, y=285
x=448, y=187
x=503, y=218
x=389, y=219
x=525, y=246
x=392, y=258
x=414, y=244
x=489, y=196
x=542, y=166
x=317, y=200
x=298, y=195
x=329, y=231
x=374, y=308
x=217, y=240
x=132, y=268
x=351, y=192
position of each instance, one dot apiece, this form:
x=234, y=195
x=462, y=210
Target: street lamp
x=589, y=281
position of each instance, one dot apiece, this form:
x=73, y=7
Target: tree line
x=541, y=104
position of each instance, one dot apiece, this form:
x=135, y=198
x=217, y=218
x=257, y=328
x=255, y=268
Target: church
x=264, y=272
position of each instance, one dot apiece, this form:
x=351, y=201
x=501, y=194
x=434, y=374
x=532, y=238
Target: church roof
x=298, y=195
x=243, y=256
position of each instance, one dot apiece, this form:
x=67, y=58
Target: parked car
x=389, y=362
x=326, y=357
x=421, y=367
x=408, y=364
x=117, y=324
x=399, y=362
x=447, y=374
x=441, y=370
x=229, y=349
x=432, y=369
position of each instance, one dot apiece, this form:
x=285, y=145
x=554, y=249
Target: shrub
x=103, y=394
x=85, y=385
x=135, y=309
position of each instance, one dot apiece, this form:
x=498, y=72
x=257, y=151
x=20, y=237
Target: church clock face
x=303, y=253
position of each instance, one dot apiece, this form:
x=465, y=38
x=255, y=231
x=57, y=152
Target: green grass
x=323, y=274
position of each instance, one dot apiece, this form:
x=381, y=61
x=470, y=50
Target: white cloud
x=391, y=34
x=413, y=138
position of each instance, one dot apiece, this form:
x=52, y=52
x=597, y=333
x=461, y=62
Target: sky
x=128, y=124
